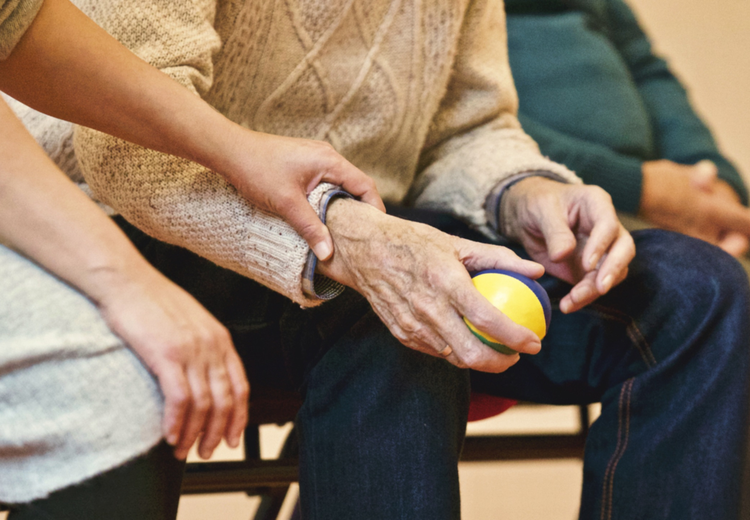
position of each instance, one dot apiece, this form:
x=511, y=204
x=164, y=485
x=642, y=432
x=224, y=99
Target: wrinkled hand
x=573, y=231
x=417, y=280
x=692, y=200
x=191, y=354
x=277, y=173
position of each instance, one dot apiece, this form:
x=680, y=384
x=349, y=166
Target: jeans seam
x=631, y=329
x=622, y=444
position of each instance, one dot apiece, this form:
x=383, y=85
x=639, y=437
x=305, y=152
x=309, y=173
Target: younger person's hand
x=190, y=353
x=277, y=173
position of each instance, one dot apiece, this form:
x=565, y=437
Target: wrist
x=107, y=279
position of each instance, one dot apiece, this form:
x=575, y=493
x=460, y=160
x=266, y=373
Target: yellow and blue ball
x=520, y=298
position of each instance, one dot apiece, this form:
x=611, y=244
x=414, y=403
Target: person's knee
x=691, y=270
x=691, y=294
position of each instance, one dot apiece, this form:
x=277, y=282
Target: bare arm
x=68, y=67
x=47, y=218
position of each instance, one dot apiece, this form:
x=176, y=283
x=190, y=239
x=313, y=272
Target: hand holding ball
x=520, y=298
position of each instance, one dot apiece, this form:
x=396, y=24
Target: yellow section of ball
x=514, y=299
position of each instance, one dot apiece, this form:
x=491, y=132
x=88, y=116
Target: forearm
x=68, y=67
x=47, y=218
x=462, y=173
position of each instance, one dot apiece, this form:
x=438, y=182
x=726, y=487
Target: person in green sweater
x=596, y=98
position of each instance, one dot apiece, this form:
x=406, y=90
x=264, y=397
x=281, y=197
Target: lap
x=74, y=400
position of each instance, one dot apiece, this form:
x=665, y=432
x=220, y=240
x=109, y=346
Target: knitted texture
x=15, y=18
x=75, y=402
x=416, y=94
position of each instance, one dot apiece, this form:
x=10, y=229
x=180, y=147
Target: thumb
x=307, y=224
x=703, y=175
x=736, y=244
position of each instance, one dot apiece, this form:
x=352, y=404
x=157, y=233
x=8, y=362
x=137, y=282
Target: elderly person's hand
x=417, y=280
x=691, y=199
x=573, y=231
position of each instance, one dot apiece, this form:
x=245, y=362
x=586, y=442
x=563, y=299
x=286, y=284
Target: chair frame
x=271, y=479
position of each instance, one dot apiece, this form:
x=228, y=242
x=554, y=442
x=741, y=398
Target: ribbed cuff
x=316, y=285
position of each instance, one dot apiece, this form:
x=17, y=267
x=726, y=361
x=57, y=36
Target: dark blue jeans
x=381, y=427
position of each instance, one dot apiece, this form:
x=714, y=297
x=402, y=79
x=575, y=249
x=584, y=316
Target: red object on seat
x=483, y=406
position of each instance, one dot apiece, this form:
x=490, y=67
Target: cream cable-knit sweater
x=417, y=94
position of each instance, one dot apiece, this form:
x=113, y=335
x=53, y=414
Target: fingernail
x=322, y=250
x=607, y=283
x=172, y=439
x=534, y=346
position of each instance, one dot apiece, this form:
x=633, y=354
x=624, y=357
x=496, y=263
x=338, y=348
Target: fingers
x=220, y=401
x=198, y=410
x=558, y=236
x=607, y=229
x=486, y=318
x=355, y=182
x=221, y=407
x=477, y=257
x=730, y=217
x=176, y=392
x=213, y=402
x=241, y=394
x=612, y=270
x=615, y=266
x=582, y=294
x=302, y=217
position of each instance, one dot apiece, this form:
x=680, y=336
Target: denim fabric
x=381, y=426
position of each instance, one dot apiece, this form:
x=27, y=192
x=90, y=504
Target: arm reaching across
x=95, y=77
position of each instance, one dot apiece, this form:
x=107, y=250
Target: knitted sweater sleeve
x=15, y=18
x=172, y=199
x=681, y=136
x=475, y=140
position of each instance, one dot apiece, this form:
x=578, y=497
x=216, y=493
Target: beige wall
x=708, y=45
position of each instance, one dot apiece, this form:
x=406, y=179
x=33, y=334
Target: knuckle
x=179, y=397
x=174, y=351
x=471, y=357
x=223, y=404
x=222, y=335
x=202, y=403
x=482, y=319
x=242, y=391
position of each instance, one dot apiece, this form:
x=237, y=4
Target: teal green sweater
x=595, y=97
